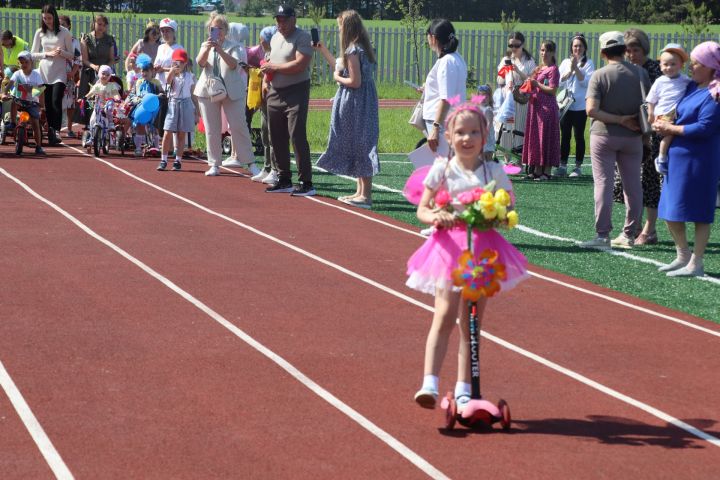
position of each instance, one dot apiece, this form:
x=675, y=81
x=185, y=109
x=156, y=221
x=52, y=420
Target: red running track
x=129, y=379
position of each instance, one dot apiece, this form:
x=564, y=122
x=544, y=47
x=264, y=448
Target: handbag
x=565, y=99
x=214, y=84
x=643, y=119
x=416, y=118
x=520, y=97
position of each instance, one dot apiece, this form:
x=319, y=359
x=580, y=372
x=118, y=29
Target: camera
x=315, y=35
x=508, y=61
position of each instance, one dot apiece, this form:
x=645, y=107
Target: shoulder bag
x=214, y=84
x=564, y=99
x=643, y=119
x=416, y=119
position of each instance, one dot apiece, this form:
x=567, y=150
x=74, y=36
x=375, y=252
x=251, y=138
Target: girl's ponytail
x=445, y=35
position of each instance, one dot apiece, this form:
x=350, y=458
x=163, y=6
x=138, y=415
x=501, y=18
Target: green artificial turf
x=564, y=208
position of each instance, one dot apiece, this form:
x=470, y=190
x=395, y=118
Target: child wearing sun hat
x=665, y=94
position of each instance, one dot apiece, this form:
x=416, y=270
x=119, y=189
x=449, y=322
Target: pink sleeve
x=554, y=77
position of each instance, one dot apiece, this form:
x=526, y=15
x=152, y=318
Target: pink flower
x=442, y=198
x=477, y=193
x=466, y=198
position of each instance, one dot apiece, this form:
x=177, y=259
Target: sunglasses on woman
x=514, y=45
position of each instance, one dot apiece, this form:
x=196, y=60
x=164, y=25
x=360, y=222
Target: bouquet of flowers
x=483, y=208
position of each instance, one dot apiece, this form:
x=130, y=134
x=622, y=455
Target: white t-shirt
x=457, y=180
x=164, y=58
x=577, y=87
x=666, y=92
x=446, y=80
x=30, y=81
x=182, y=86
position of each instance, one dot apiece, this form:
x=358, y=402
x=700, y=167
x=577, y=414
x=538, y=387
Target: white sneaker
x=213, y=172
x=231, y=162
x=271, y=178
x=576, y=172
x=426, y=398
x=253, y=169
x=260, y=176
x=601, y=243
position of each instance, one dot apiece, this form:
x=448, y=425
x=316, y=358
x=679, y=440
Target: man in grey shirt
x=287, y=83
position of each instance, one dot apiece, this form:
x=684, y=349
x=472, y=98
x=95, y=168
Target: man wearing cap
x=288, y=98
x=614, y=97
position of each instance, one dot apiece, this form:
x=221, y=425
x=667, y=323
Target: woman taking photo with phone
x=354, y=122
x=220, y=57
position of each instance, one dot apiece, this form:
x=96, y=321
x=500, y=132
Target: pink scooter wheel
x=505, y=419
x=450, y=412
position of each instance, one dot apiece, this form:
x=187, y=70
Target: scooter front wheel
x=505, y=419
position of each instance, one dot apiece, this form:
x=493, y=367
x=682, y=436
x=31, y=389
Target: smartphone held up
x=315, y=35
x=214, y=34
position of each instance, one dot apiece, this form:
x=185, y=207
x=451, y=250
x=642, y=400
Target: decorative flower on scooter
x=479, y=276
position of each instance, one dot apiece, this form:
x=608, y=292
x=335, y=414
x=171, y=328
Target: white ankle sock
x=178, y=159
x=163, y=157
x=430, y=382
x=462, y=388
x=695, y=262
x=683, y=254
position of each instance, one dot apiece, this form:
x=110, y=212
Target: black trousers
x=53, y=105
x=573, y=122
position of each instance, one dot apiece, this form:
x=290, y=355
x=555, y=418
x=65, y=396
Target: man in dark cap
x=287, y=80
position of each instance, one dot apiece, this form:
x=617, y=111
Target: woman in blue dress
x=691, y=181
x=354, y=124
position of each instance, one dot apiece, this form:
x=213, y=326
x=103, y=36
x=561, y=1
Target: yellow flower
x=487, y=198
x=502, y=197
x=489, y=211
x=512, y=218
x=501, y=211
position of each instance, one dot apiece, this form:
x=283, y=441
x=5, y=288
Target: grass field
x=541, y=27
x=564, y=208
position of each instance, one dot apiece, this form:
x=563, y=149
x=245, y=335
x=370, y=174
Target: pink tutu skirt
x=431, y=266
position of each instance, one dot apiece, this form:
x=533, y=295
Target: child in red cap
x=182, y=114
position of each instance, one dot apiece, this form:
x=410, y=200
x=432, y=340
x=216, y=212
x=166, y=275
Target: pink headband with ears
x=473, y=105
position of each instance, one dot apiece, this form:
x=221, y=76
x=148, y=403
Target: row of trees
x=534, y=11
x=531, y=11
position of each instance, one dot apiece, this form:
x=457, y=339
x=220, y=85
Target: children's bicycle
x=101, y=133
x=22, y=129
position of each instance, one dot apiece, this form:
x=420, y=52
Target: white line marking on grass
x=47, y=449
x=537, y=275
x=576, y=376
x=321, y=392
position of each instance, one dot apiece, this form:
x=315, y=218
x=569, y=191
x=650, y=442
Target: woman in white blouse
x=52, y=47
x=523, y=65
x=446, y=80
x=575, y=75
x=163, y=62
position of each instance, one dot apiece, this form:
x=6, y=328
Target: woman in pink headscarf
x=691, y=180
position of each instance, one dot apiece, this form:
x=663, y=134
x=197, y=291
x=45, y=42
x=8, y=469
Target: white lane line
x=565, y=371
x=537, y=275
x=538, y=233
x=321, y=392
x=46, y=447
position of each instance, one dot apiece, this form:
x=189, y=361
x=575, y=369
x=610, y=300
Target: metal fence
x=482, y=49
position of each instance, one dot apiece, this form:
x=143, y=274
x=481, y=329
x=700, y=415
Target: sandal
x=646, y=239
x=542, y=178
x=360, y=203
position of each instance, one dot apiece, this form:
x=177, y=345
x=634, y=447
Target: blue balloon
x=141, y=116
x=150, y=102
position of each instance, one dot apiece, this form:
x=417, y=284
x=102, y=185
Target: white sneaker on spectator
x=260, y=176
x=601, y=243
x=213, y=172
x=271, y=178
x=232, y=162
x=253, y=169
x=576, y=172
